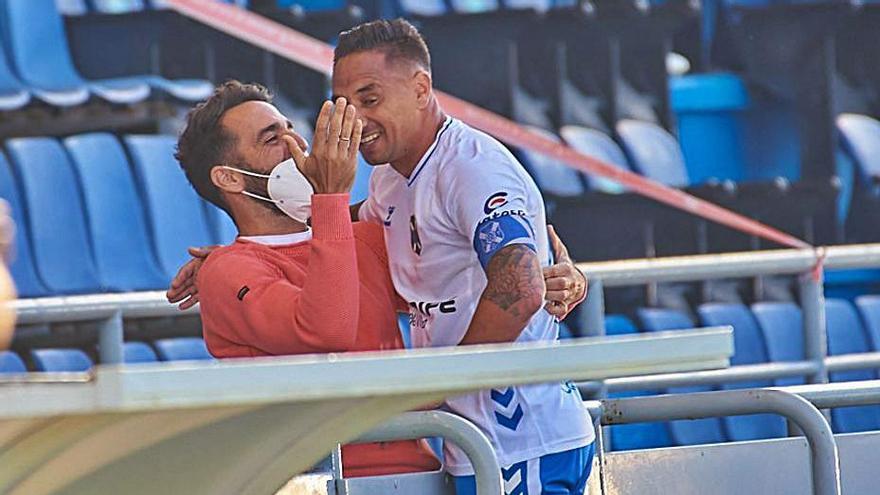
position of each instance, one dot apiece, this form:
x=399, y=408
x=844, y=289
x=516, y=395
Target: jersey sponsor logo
x=494, y=202
x=421, y=311
x=387, y=221
x=506, y=213
x=415, y=242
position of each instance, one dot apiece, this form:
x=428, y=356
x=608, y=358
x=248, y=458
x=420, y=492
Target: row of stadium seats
x=70, y=359
x=766, y=332
x=96, y=214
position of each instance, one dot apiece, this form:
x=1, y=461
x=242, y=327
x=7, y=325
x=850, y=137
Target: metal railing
x=824, y=456
x=816, y=363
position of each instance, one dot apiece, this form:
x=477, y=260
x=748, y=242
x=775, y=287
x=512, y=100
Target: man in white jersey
x=465, y=238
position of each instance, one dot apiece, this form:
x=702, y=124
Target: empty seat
x=72, y=7
x=782, y=326
x=423, y=7
x=117, y=227
x=223, y=229
x=61, y=360
x=11, y=363
x=138, y=352
x=38, y=47
x=653, y=152
x=13, y=94
x=24, y=273
x=118, y=6
x=638, y=435
x=551, y=175
x=600, y=146
x=846, y=336
x=749, y=349
x=869, y=308
x=619, y=325
x=175, y=215
x=54, y=214
x=684, y=432
x=182, y=349
x=474, y=6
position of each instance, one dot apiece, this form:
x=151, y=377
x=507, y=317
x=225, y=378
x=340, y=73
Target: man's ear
x=227, y=180
x=423, y=87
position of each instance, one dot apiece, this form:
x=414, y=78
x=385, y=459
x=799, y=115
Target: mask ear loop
x=253, y=174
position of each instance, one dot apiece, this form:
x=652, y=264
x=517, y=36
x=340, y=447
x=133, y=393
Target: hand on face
x=333, y=161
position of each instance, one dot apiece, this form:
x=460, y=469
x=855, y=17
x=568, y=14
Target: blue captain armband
x=500, y=230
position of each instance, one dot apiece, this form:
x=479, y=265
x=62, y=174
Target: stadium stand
x=23, y=270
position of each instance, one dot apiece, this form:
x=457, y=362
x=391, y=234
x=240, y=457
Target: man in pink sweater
x=285, y=287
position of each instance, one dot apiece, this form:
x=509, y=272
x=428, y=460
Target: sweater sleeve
x=280, y=317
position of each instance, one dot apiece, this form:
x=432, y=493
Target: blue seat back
x=182, y=349
x=11, y=363
x=424, y=7
x=600, y=146
x=869, y=308
x=474, y=6
x=653, y=152
x=638, y=435
x=223, y=229
x=138, y=352
x=860, y=137
x=312, y=5
x=552, y=176
x=54, y=208
x=749, y=349
x=9, y=81
x=61, y=360
x=846, y=335
x=37, y=44
x=118, y=6
x=72, y=7
x=683, y=432
x=782, y=326
x=539, y=5
x=175, y=215
x=116, y=222
x=619, y=325
x=24, y=273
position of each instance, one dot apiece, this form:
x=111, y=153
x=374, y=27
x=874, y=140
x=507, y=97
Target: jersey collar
x=429, y=152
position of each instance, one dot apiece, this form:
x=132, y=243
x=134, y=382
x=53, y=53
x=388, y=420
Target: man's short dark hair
x=204, y=143
x=398, y=39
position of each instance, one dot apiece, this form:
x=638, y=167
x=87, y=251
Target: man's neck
x=406, y=165
x=269, y=224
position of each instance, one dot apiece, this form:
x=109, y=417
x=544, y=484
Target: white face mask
x=288, y=188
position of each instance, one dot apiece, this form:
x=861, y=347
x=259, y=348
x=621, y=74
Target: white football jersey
x=467, y=198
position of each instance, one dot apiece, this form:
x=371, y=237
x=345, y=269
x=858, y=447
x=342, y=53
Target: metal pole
x=593, y=312
x=824, y=458
x=454, y=428
x=110, y=339
x=815, y=333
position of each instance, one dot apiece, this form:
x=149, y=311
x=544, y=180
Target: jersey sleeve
x=488, y=202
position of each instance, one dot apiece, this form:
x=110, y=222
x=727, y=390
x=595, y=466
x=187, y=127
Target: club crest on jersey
x=415, y=242
x=494, y=202
x=491, y=236
x=387, y=221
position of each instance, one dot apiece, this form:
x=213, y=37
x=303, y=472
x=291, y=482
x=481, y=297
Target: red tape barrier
x=317, y=55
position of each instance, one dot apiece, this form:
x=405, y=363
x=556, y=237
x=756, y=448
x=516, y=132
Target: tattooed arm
x=513, y=294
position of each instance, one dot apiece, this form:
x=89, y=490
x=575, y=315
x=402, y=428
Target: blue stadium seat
x=538, y=5
x=474, y=6
x=313, y=5
x=54, y=215
x=600, y=146
x=223, y=229
x=24, y=273
x=72, y=7
x=869, y=308
x=117, y=227
x=424, y=7
x=118, y=6
x=846, y=336
x=361, y=188
x=61, y=360
x=619, y=325
x=749, y=349
x=39, y=51
x=552, y=176
x=175, y=214
x=653, y=152
x=684, y=432
x=11, y=363
x=638, y=435
x=859, y=135
x=182, y=349
x=138, y=352
x=13, y=94
x=782, y=325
